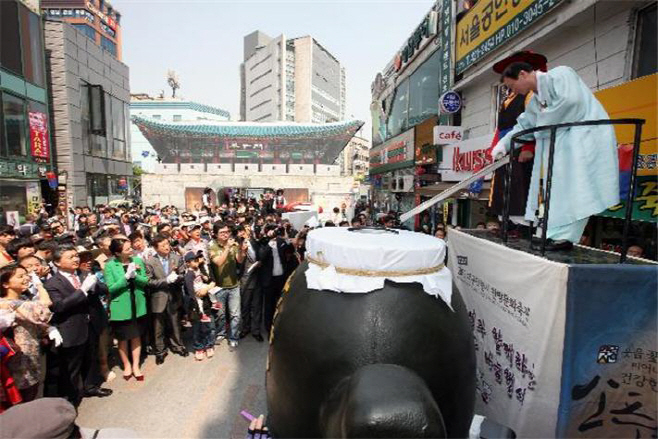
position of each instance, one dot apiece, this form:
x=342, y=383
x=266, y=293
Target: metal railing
x=549, y=176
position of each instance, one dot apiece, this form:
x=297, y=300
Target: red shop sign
x=39, y=136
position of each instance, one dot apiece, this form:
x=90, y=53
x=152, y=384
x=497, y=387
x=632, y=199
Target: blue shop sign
x=450, y=102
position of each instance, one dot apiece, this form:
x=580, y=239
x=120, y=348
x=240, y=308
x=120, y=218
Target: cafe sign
x=489, y=24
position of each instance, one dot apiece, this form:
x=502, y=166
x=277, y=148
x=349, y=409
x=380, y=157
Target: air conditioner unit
x=408, y=183
x=400, y=183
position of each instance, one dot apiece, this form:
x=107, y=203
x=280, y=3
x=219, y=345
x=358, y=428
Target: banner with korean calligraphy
x=39, y=136
x=610, y=353
x=516, y=304
x=490, y=23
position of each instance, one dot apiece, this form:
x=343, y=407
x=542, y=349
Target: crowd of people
x=78, y=287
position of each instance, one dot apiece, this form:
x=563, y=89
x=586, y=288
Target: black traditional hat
x=536, y=60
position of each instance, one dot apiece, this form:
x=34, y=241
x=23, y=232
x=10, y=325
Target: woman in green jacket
x=126, y=279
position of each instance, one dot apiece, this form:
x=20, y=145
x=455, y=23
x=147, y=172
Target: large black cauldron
x=395, y=362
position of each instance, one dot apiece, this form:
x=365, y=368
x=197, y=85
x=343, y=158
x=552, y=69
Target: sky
x=202, y=41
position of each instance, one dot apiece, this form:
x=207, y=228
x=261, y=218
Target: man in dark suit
x=71, y=317
x=95, y=373
x=276, y=270
x=251, y=293
x=166, y=298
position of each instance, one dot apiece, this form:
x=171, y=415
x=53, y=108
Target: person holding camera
x=250, y=287
x=277, y=268
x=225, y=255
x=165, y=284
x=127, y=224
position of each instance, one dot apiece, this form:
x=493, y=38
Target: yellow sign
x=490, y=23
x=635, y=99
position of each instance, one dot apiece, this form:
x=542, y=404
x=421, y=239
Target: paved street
x=186, y=398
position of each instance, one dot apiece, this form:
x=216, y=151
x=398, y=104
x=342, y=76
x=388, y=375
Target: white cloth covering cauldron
x=360, y=260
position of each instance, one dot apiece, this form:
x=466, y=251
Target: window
x=85, y=123
x=108, y=45
x=424, y=90
x=15, y=122
x=89, y=31
x=397, y=120
x=10, y=40
x=3, y=151
x=177, y=118
x=93, y=111
x=126, y=127
x=31, y=46
x=157, y=116
x=645, y=42
x=118, y=129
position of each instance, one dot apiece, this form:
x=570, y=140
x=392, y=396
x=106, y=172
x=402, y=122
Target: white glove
x=88, y=283
x=7, y=319
x=499, y=151
x=35, y=280
x=130, y=272
x=173, y=276
x=55, y=336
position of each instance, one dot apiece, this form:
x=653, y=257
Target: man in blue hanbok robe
x=585, y=169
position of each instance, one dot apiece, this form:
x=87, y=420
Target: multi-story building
x=90, y=97
x=294, y=80
x=354, y=159
x=25, y=147
x=404, y=109
x=97, y=19
x=166, y=110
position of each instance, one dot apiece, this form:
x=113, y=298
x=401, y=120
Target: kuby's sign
x=462, y=159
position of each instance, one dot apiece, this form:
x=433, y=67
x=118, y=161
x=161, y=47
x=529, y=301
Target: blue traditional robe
x=585, y=168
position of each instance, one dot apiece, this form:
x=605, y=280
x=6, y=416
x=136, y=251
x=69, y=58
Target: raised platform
x=578, y=255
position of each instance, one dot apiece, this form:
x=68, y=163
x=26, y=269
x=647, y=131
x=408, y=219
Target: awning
x=435, y=189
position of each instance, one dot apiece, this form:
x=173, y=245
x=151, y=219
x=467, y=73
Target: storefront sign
x=33, y=195
x=462, y=159
x=450, y=102
x=445, y=72
x=418, y=39
x=10, y=168
x=636, y=99
x=396, y=153
x=71, y=13
x=447, y=135
x=489, y=24
x=105, y=18
x=39, y=136
x=645, y=203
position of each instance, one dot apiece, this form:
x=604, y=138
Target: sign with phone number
x=491, y=23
